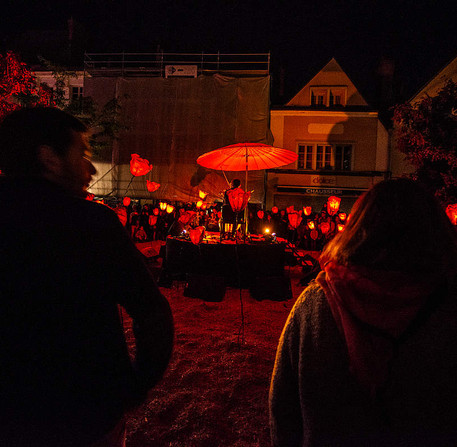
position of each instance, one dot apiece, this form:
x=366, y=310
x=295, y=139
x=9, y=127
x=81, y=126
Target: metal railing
x=153, y=64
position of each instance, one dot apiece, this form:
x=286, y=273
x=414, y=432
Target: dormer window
x=328, y=96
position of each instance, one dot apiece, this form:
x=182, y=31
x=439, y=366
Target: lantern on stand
x=324, y=227
x=139, y=166
x=333, y=205
x=311, y=225
x=238, y=199
x=294, y=219
x=170, y=209
x=196, y=235
x=163, y=206
x=340, y=227
x=152, y=186
x=307, y=210
x=451, y=211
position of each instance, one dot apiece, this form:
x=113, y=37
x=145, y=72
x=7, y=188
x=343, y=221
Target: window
x=321, y=156
x=343, y=155
x=328, y=96
x=76, y=93
x=305, y=157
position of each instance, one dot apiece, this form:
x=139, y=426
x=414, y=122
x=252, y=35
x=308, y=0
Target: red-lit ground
x=215, y=392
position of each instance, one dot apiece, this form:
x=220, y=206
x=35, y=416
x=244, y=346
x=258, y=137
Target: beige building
x=342, y=146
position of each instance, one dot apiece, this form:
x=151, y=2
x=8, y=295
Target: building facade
x=342, y=147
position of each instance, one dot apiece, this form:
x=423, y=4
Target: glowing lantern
x=311, y=225
x=89, y=196
x=294, y=220
x=290, y=209
x=342, y=216
x=152, y=220
x=163, y=206
x=152, y=186
x=333, y=205
x=139, y=166
x=196, y=235
x=324, y=227
x=238, y=199
x=121, y=214
x=156, y=211
x=199, y=204
x=451, y=212
x=314, y=235
x=274, y=210
x=202, y=195
x=204, y=206
x=260, y=214
x=170, y=209
x=340, y=227
x=307, y=210
x=126, y=201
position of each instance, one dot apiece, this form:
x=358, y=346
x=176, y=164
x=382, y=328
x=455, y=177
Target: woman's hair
x=236, y=182
x=397, y=225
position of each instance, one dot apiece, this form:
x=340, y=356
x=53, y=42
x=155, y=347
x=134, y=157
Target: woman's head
x=396, y=225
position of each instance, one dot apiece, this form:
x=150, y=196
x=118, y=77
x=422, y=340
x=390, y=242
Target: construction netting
x=171, y=122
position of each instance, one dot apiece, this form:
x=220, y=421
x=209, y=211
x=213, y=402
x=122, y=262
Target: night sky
x=418, y=36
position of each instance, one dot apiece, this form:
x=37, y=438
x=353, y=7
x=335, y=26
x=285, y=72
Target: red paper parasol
x=247, y=157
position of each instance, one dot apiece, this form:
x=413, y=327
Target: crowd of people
x=303, y=228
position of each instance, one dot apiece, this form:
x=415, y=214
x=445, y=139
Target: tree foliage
x=18, y=86
x=427, y=133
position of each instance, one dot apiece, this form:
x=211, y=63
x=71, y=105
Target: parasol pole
x=246, y=190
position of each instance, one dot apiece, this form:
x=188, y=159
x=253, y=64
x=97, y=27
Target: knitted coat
x=315, y=401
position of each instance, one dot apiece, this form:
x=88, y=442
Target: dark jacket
x=65, y=375
x=316, y=401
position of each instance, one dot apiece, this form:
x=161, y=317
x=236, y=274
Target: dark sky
x=419, y=36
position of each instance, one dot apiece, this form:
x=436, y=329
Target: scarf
x=372, y=309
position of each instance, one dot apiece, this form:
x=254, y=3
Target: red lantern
x=139, y=166
x=204, y=206
x=307, y=210
x=152, y=186
x=197, y=235
x=290, y=209
x=163, y=206
x=342, y=216
x=314, y=235
x=294, y=220
x=451, y=211
x=126, y=201
x=311, y=225
x=260, y=214
x=274, y=210
x=202, y=195
x=324, y=227
x=340, y=227
x=121, y=214
x=238, y=199
x=333, y=205
x=152, y=220
x=89, y=196
x=156, y=211
x=170, y=209
x=199, y=204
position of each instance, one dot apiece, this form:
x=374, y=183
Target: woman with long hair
x=368, y=356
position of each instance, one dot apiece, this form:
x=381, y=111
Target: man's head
x=236, y=183
x=48, y=143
